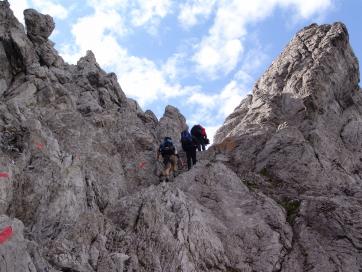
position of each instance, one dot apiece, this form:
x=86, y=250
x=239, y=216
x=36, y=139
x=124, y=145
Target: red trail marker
x=6, y=234
x=39, y=146
x=4, y=175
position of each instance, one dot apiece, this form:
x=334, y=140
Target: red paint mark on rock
x=6, y=234
x=142, y=165
x=39, y=146
x=4, y=175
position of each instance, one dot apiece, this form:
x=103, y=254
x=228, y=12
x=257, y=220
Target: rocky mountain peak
x=170, y=124
x=79, y=189
x=297, y=138
x=38, y=26
x=317, y=67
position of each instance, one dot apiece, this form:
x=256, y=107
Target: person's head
x=166, y=139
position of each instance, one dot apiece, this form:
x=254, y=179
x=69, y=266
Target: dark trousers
x=201, y=143
x=191, y=156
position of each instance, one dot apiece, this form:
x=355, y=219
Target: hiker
x=169, y=154
x=189, y=144
x=200, y=135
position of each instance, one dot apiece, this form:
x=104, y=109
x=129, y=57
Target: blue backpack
x=186, y=138
x=167, y=148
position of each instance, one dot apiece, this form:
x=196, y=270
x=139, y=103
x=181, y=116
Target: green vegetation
x=251, y=184
x=264, y=172
x=292, y=209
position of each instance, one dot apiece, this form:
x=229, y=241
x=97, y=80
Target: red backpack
x=203, y=132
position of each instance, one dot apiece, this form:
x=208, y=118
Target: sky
x=202, y=56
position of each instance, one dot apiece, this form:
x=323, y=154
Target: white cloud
x=220, y=51
x=192, y=11
x=211, y=131
x=212, y=109
x=143, y=80
x=140, y=78
x=219, y=105
x=147, y=11
x=108, y=4
x=175, y=67
x=207, y=56
x=307, y=8
x=44, y=6
x=139, y=13
x=89, y=33
x=18, y=7
x=51, y=7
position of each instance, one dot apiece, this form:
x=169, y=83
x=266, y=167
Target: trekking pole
x=159, y=167
x=181, y=163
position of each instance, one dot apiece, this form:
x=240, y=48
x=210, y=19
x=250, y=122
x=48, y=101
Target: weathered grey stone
x=17, y=253
x=280, y=190
x=38, y=26
x=206, y=221
x=16, y=50
x=171, y=124
x=300, y=130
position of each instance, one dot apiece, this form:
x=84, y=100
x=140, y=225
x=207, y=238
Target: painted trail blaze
x=39, y=146
x=5, y=234
x=4, y=175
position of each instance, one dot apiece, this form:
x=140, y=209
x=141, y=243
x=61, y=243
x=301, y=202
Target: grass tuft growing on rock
x=292, y=209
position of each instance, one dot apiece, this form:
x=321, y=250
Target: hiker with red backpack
x=189, y=145
x=170, y=157
x=199, y=133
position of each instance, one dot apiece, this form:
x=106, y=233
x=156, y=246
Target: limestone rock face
x=38, y=26
x=171, y=124
x=207, y=220
x=17, y=53
x=299, y=136
x=70, y=144
x=280, y=191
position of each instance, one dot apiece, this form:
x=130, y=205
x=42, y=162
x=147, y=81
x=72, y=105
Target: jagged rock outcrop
x=206, y=221
x=39, y=27
x=298, y=137
x=280, y=190
x=170, y=124
x=70, y=144
x=17, y=253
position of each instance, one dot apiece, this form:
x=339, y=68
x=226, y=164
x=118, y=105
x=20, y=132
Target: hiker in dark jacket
x=189, y=144
x=199, y=133
x=170, y=156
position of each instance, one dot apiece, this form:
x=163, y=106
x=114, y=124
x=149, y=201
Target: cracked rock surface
x=298, y=139
x=279, y=191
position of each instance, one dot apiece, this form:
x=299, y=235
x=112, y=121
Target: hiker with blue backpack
x=170, y=156
x=189, y=145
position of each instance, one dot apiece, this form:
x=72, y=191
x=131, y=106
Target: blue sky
x=202, y=56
